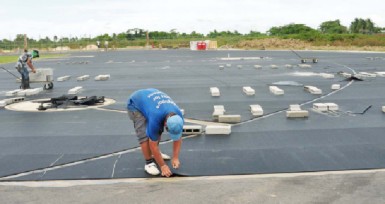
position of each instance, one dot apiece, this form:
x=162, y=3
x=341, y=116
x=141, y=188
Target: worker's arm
x=158, y=158
x=29, y=63
x=175, y=157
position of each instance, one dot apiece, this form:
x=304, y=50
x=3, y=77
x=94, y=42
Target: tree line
x=327, y=31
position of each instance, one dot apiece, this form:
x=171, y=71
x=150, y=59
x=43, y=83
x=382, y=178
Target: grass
x=13, y=58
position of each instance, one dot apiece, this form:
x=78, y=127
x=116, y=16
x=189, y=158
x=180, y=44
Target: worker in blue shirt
x=152, y=111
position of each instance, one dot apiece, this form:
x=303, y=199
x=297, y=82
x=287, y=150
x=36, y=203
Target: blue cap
x=175, y=127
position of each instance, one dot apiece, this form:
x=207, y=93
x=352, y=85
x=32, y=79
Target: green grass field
x=13, y=58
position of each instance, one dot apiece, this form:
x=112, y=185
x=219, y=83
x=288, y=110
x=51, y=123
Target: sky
x=90, y=18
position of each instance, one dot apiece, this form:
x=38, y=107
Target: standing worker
x=21, y=66
x=152, y=111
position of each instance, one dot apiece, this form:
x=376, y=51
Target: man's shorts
x=140, y=125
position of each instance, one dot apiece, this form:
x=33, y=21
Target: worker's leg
x=24, y=78
x=140, y=129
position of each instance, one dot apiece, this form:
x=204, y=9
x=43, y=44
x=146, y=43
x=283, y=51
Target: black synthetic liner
x=101, y=143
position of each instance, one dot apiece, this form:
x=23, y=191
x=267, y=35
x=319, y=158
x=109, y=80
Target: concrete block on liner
x=229, y=118
x=83, y=78
x=336, y=86
x=297, y=114
x=248, y=90
x=63, y=78
x=13, y=92
x=320, y=106
x=313, y=89
x=14, y=100
x=332, y=106
x=256, y=110
x=192, y=129
x=214, y=91
x=2, y=104
x=276, y=91
x=218, y=130
x=104, y=77
x=383, y=109
x=75, y=90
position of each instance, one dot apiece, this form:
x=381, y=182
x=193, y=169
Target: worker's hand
x=33, y=70
x=175, y=163
x=166, y=171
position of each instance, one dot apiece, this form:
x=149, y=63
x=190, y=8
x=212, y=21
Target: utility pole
x=148, y=39
x=25, y=42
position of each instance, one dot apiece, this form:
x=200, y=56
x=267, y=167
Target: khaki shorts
x=140, y=125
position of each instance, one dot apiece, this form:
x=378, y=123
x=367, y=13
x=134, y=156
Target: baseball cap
x=175, y=127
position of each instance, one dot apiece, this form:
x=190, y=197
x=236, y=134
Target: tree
x=290, y=29
x=333, y=27
x=363, y=26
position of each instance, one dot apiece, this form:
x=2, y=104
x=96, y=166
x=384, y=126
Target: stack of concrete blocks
x=229, y=118
x=276, y=91
x=313, y=90
x=248, y=90
x=41, y=75
x=218, y=110
x=63, y=78
x=296, y=112
x=218, y=129
x=192, y=129
x=75, y=90
x=325, y=107
x=83, y=78
x=104, y=77
x=327, y=76
x=256, y=110
x=380, y=74
x=335, y=87
x=214, y=91
x=8, y=101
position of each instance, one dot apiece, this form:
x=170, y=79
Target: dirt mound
x=273, y=43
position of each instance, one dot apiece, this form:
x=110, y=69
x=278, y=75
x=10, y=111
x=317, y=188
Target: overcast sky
x=89, y=18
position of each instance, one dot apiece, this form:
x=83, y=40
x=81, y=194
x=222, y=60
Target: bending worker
x=152, y=111
x=21, y=66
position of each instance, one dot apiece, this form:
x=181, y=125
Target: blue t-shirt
x=154, y=106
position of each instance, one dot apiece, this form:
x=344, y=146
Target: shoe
x=151, y=169
x=165, y=156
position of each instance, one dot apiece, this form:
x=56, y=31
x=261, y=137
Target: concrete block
x=313, y=89
x=182, y=110
x=335, y=87
x=13, y=92
x=304, y=65
x=214, y=91
x=2, y=104
x=383, y=109
x=380, y=74
x=288, y=66
x=275, y=90
x=75, y=90
x=22, y=93
x=295, y=107
x=327, y=76
x=332, y=106
x=41, y=75
x=256, y=110
x=218, y=130
x=320, y=106
x=63, y=78
x=297, y=114
x=273, y=66
x=192, y=129
x=229, y=118
x=346, y=75
x=248, y=90
x=83, y=78
x=367, y=74
x=104, y=77
x=257, y=66
x=14, y=100
x=219, y=108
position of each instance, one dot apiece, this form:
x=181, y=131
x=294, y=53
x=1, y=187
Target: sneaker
x=151, y=169
x=165, y=156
